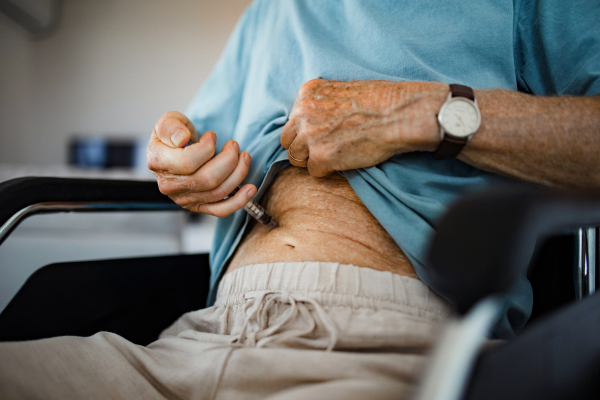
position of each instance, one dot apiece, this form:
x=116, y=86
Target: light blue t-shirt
x=542, y=47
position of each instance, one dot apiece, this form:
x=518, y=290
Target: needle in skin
x=255, y=210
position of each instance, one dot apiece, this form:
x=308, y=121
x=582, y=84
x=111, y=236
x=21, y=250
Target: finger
x=298, y=153
x=175, y=130
x=233, y=180
x=210, y=135
x=214, y=172
x=227, y=207
x=318, y=170
x=163, y=158
x=188, y=124
x=288, y=134
x=186, y=193
x=291, y=128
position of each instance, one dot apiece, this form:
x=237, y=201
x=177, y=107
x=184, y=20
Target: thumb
x=175, y=130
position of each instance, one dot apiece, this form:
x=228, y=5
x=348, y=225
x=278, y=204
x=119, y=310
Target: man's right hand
x=194, y=177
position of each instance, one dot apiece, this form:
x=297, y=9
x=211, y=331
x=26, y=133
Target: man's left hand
x=336, y=126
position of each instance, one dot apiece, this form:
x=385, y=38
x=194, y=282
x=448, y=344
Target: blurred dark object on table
x=102, y=153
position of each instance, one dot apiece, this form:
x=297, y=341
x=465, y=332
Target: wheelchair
x=483, y=244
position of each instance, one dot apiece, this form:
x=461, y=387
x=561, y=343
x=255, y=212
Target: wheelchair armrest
x=136, y=298
x=19, y=197
x=486, y=240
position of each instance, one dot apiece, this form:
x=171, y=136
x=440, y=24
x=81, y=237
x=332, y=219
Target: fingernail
x=246, y=158
x=178, y=137
x=212, y=136
x=250, y=193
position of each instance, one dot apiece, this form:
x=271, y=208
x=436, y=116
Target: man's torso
x=320, y=219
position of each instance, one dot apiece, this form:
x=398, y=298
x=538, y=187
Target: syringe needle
x=258, y=212
x=254, y=209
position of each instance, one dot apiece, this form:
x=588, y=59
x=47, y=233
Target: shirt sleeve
x=557, y=47
x=216, y=106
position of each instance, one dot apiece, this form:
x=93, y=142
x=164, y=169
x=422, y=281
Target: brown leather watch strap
x=449, y=147
x=462, y=91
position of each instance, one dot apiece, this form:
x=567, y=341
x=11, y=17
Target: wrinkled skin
x=343, y=125
x=337, y=126
x=194, y=177
x=547, y=140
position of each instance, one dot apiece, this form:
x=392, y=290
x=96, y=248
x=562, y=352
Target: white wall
x=112, y=67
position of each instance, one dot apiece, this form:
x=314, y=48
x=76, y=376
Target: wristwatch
x=459, y=119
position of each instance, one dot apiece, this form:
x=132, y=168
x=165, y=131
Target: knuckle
x=219, y=193
x=166, y=189
x=187, y=168
x=170, y=184
x=198, y=208
x=310, y=130
x=151, y=163
x=308, y=85
x=298, y=111
x=303, y=89
x=209, y=181
x=185, y=201
x=168, y=124
x=192, y=207
x=163, y=189
x=211, y=148
x=162, y=123
x=212, y=197
x=307, y=103
x=245, y=168
x=203, y=208
x=220, y=213
x=152, y=160
x=232, y=161
x=181, y=203
x=307, y=134
x=311, y=84
x=317, y=157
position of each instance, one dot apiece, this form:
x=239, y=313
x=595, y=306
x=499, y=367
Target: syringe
x=253, y=208
x=257, y=212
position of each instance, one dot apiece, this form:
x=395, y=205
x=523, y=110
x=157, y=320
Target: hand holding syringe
x=194, y=177
x=254, y=209
x=257, y=212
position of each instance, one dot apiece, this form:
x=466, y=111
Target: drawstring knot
x=257, y=331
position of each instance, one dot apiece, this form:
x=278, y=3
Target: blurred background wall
x=111, y=68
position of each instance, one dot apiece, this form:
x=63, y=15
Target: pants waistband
x=333, y=284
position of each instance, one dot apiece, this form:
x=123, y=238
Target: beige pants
x=278, y=331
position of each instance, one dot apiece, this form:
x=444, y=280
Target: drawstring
x=256, y=331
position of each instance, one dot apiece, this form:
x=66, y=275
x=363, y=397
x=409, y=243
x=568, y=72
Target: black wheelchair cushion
x=558, y=357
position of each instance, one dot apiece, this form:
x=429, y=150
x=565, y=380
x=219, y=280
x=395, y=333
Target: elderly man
x=355, y=95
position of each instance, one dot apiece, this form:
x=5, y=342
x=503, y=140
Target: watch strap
x=451, y=146
x=462, y=91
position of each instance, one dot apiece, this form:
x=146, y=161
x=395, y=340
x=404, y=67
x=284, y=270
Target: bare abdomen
x=320, y=219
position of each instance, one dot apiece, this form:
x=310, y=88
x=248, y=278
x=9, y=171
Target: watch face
x=460, y=117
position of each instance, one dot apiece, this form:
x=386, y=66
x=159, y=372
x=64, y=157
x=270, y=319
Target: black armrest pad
x=486, y=240
x=136, y=298
x=19, y=193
